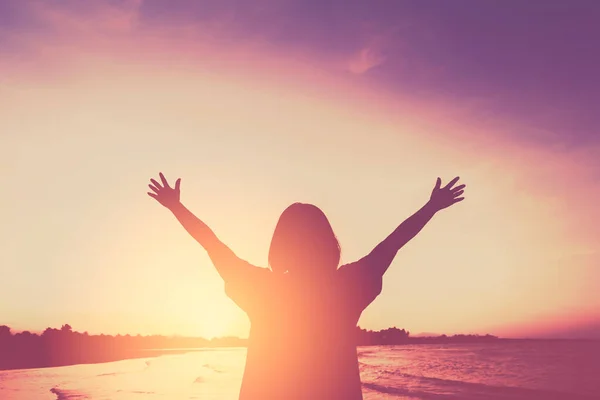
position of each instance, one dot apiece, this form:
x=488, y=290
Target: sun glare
x=246, y=149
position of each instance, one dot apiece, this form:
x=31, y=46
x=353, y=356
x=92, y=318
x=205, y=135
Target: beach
x=515, y=370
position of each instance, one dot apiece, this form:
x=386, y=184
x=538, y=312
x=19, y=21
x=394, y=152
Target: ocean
x=515, y=370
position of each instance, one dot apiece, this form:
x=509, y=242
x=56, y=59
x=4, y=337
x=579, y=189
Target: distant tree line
x=394, y=335
x=59, y=347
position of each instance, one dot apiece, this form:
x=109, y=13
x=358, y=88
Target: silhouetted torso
x=302, y=336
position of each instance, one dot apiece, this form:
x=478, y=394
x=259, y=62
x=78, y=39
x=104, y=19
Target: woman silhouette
x=304, y=310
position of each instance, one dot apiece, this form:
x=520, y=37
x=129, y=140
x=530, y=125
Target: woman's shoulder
x=361, y=275
x=350, y=269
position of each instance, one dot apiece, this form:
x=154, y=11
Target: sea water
x=515, y=370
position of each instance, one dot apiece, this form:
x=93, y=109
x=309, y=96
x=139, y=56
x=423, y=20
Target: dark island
x=60, y=347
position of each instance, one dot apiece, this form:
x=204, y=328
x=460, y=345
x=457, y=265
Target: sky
x=355, y=106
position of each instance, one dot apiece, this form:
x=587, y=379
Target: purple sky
x=535, y=61
x=526, y=69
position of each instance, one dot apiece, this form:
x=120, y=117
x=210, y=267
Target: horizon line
x=417, y=336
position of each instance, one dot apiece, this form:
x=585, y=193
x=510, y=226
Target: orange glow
x=85, y=134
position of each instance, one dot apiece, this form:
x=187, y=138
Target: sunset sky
x=355, y=106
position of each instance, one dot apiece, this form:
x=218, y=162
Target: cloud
x=458, y=63
x=372, y=53
x=365, y=60
x=45, y=32
x=485, y=93
x=51, y=18
x=490, y=62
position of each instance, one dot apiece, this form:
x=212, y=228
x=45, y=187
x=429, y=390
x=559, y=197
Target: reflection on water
x=519, y=370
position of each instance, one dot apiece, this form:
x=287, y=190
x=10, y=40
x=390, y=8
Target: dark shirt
x=302, y=336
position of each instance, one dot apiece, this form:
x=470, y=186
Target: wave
x=365, y=352
x=62, y=394
x=135, y=391
x=141, y=368
x=110, y=374
x=213, y=368
x=446, y=389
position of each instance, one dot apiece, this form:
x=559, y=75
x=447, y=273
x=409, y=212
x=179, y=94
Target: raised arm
x=225, y=261
x=383, y=254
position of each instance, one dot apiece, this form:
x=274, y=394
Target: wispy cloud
x=534, y=63
x=371, y=54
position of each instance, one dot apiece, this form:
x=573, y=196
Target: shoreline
x=133, y=355
x=153, y=353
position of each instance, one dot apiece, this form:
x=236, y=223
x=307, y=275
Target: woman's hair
x=303, y=242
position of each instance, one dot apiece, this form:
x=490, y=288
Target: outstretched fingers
x=154, y=188
x=458, y=188
x=156, y=184
x=153, y=195
x=164, y=180
x=451, y=183
x=457, y=193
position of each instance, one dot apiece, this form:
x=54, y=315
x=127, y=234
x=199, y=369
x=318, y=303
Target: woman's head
x=304, y=242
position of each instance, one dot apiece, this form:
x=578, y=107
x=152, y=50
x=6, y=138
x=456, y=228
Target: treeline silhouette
x=60, y=347
x=394, y=335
